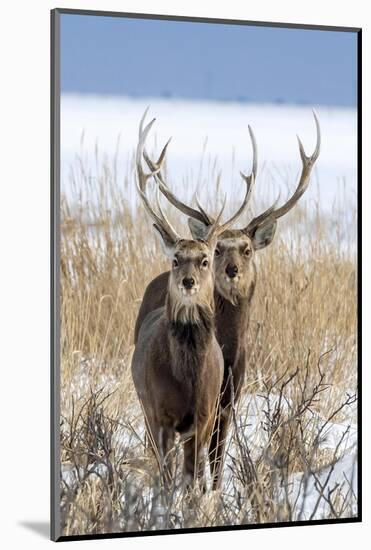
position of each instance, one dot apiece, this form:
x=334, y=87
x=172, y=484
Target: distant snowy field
x=220, y=129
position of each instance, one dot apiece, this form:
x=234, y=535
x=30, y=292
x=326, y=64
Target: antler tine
x=143, y=133
x=161, y=220
x=143, y=177
x=188, y=210
x=216, y=229
x=254, y=156
x=162, y=212
x=249, y=185
x=308, y=163
x=249, y=180
x=156, y=166
x=209, y=219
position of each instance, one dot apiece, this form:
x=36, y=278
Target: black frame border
x=55, y=94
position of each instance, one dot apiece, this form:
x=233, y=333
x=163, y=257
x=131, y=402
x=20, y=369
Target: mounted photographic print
x=205, y=274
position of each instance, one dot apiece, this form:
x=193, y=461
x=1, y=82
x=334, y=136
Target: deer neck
x=190, y=326
x=232, y=320
x=190, y=337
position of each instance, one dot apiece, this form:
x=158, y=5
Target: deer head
x=235, y=250
x=191, y=282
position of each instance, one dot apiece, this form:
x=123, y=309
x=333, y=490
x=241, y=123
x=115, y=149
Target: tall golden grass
x=302, y=342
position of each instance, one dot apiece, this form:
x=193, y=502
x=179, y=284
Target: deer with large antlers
x=177, y=364
x=235, y=281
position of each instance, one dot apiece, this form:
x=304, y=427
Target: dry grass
x=303, y=365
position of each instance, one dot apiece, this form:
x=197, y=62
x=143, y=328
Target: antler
x=160, y=220
x=274, y=213
x=201, y=214
x=215, y=228
x=249, y=180
x=156, y=170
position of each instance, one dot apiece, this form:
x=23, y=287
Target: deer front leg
x=166, y=444
x=217, y=445
x=194, y=464
x=161, y=442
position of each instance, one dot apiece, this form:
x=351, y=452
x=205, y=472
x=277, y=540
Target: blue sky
x=149, y=58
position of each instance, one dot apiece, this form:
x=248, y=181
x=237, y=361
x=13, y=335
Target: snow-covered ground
x=307, y=492
x=220, y=129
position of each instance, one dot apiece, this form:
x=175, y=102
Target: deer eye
x=247, y=251
x=175, y=262
x=217, y=252
x=205, y=262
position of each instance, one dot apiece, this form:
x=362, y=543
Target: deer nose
x=231, y=270
x=188, y=282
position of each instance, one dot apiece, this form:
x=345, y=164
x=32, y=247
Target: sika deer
x=235, y=280
x=177, y=365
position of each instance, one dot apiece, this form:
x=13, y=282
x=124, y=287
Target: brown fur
x=232, y=305
x=177, y=364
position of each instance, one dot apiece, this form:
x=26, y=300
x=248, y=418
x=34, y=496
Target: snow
x=220, y=129
x=303, y=489
x=308, y=501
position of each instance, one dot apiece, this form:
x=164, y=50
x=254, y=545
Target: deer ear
x=263, y=234
x=168, y=244
x=198, y=229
